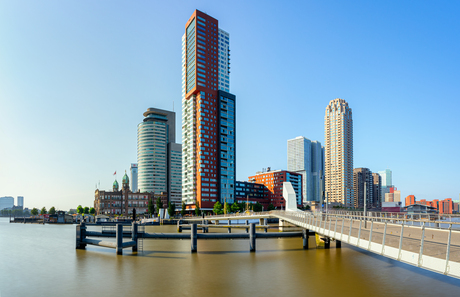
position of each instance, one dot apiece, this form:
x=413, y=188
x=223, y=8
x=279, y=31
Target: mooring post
x=229, y=230
x=119, y=239
x=261, y=221
x=193, y=237
x=81, y=235
x=338, y=244
x=305, y=238
x=327, y=243
x=134, y=236
x=247, y=223
x=252, y=237
x=179, y=227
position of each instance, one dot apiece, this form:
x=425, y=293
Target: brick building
x=121, y=201
x=273, y=182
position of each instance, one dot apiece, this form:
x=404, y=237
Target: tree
x=171, y=209
x=182, y=211
x=80, y=209
x=159, y=204
x=227, y=208
x=197, y=210
x=43, y=211
x=52, y=210
x=271, y=207
x=34, y=211
x=86, y=210
x=235, y=207
x=217, y=208
x=92, y=211
x=71, y=211
x=257, y=207
x=151, y=208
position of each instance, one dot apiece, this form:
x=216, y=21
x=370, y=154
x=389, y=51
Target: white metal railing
x=403, y=246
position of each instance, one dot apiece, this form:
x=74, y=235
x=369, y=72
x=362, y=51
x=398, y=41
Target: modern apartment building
x=251, y=193
x=410, y=200
x=208, y=115
x=134, y=172
x=158, y=156
x=273, y=182
x=363, y=182
x=307, y=158
x=338, y=135
x=377, y=190
x=393, y=195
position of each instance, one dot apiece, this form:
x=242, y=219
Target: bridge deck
x=438, y=250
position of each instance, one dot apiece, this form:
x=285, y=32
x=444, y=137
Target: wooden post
x=119, y=239
x=229, y=230
x=134, y=236
x=247, y=223
x=305, y=238
x=193, y=237
x=252, y=237
x=327, y=243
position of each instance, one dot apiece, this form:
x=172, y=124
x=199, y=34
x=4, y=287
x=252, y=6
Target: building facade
x=134, y=171
x=273, y=182
x=21, y=201
x=121, y=201
x=363, y=183
x=6, y=202
x=251, y=193
x=377, y=190
x=208, y=114
x=338, y=153
x=307, y=158
x=410, y=200
x=158, y=155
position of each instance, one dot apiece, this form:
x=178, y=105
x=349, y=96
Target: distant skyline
x=76, y=77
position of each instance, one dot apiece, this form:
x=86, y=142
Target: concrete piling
x=134, y=236
x=252, y=237
x=193, y=237
x=81, y=236
x=338, y=244
x=327, y=243
x=119, y=239
x=305, y=238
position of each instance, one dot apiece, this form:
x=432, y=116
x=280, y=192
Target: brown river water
x=41, y=260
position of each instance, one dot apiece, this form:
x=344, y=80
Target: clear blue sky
x=76, y=76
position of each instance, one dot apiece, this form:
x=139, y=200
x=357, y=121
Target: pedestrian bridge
x=425, y=243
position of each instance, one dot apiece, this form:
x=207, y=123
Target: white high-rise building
x=307, y=158
x=338, y=165
x=157, y=154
